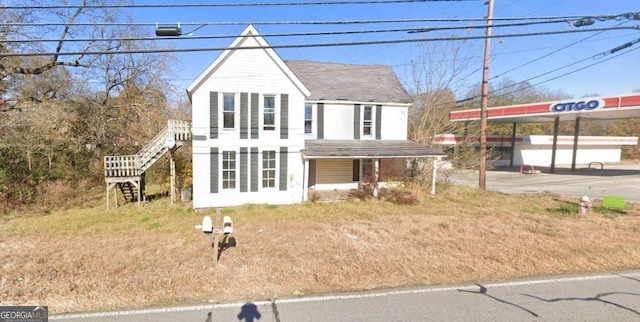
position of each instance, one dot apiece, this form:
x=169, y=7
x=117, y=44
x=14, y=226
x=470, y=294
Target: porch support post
x=376, y=175
x=305, y=181
x=576, y=134
x=433, y=175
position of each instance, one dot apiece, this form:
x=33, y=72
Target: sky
x=515, y=58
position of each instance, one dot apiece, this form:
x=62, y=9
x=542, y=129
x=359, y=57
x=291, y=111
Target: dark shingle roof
x=334, y=81
x=367, y=149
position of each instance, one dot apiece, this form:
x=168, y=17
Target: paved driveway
x=614, y=180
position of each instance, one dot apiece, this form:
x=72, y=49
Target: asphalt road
x=611, y=296
x=613, y=180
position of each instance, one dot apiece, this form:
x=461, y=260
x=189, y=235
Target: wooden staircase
x=126, y=172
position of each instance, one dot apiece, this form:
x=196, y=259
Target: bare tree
x=14, y=69
x=436, y=73
x=59, y=120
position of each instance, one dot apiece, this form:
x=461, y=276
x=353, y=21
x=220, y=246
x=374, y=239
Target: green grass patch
x=609, y=212
x=153, y=225
x=563, y=211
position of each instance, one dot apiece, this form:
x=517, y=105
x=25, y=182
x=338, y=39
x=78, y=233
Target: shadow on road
x=597, y=298
x=483, y=291
x=249, y=312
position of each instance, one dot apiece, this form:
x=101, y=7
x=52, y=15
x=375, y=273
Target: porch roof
x=367, y=149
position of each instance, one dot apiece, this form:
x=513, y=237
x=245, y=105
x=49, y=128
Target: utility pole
x=483, y=104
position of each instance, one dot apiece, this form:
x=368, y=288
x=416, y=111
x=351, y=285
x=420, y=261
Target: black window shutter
x=320, y=121
x=378, y=122
x=284, y=156
x=213, y=115
x=244, y=115
x=255, y=114
x=254, y=169
x=213, y=178
x=284, y=116
x=356, y=121
x=244, y=165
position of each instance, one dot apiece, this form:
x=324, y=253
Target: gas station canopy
x=608, y=107
x=593, y=108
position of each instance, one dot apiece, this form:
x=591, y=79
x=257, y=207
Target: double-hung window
x=228, y=169
x=268, y=169
x=269, y=111
x=367, y=121
x=308, y=118
x=228, y=111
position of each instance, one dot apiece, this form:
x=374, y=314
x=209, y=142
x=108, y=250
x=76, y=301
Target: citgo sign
x=576, y=106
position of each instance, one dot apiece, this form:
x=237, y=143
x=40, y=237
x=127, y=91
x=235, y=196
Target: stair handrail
x=122, y=166
x=155, y=145
x=180, y=130
x=135, y=165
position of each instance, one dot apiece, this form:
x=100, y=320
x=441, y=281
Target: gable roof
x=335, y=81
x=249, y=32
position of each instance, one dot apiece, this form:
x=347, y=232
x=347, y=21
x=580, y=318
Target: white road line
x=339, y=297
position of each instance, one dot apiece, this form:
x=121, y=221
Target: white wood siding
x=338, y=121
x=247, y=71
x=334, y=171
x=394, y=122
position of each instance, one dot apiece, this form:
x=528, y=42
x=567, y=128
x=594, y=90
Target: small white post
x=434, y=175
x=172, y=172
x=305, y=181
x=376, y=175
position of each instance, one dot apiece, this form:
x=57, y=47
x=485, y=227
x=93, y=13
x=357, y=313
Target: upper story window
x=269, y=112
x=367, y=121
x=268, y=169
x=308, y=118
x=228, y=169
x=228, y=111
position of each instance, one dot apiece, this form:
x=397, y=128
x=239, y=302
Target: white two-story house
x=267, y=131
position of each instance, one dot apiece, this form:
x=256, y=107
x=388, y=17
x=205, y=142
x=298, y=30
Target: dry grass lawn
x=93, y=259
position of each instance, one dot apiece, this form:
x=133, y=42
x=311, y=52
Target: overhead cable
x=565, y=74
x=324, y=22
x=317, y=33
x=551, y=53
x=234, y=4
x=309, y=45
x=596, y=56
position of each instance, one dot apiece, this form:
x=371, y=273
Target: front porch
x=334, y=168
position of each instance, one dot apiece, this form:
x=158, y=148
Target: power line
x=551, y=53
x=241, y=4
x=310, y=45
x=565, y=74
x=630, y=15
x=596, y=56
x=317, y=33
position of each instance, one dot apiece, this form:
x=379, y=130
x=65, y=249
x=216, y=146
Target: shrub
x=402, y=197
